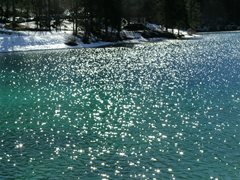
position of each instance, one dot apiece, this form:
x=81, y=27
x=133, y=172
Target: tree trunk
x=75, y=22
x=106, y=27
x=1, y=8
x=49, y=15
x=7, y=10
x=14, y=14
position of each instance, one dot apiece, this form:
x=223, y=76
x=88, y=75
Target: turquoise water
x=168, y=110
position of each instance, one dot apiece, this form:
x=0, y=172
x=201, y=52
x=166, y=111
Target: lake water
x=168, y=110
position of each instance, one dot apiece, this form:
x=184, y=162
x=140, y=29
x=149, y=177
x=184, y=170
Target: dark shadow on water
x=126, y=45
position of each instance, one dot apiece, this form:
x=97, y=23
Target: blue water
x=168, y=110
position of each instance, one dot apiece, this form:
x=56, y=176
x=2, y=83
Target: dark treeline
x=92, y=16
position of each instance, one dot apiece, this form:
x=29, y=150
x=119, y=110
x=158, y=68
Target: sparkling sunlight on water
x=168, y=110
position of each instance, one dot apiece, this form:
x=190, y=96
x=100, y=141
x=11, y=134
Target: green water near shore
x=159, y=110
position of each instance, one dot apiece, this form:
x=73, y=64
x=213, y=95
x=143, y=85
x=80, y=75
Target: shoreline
x=25, y=41
x=52, y=49
x=217, y=32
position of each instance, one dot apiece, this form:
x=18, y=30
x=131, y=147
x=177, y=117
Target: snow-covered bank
x=12, y=41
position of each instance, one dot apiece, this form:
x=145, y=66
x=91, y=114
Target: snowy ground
x=30, y=41
x=11, y=41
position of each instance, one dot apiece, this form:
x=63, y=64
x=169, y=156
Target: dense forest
x=92, y=16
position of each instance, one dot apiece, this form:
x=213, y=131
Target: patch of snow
x=39, y=40
x=130, y=34
x=31, y=41
x=184, y=33
x=11, y=41
x=154, y=27
x=31, y=24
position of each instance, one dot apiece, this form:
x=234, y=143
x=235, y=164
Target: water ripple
x=166, y=110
